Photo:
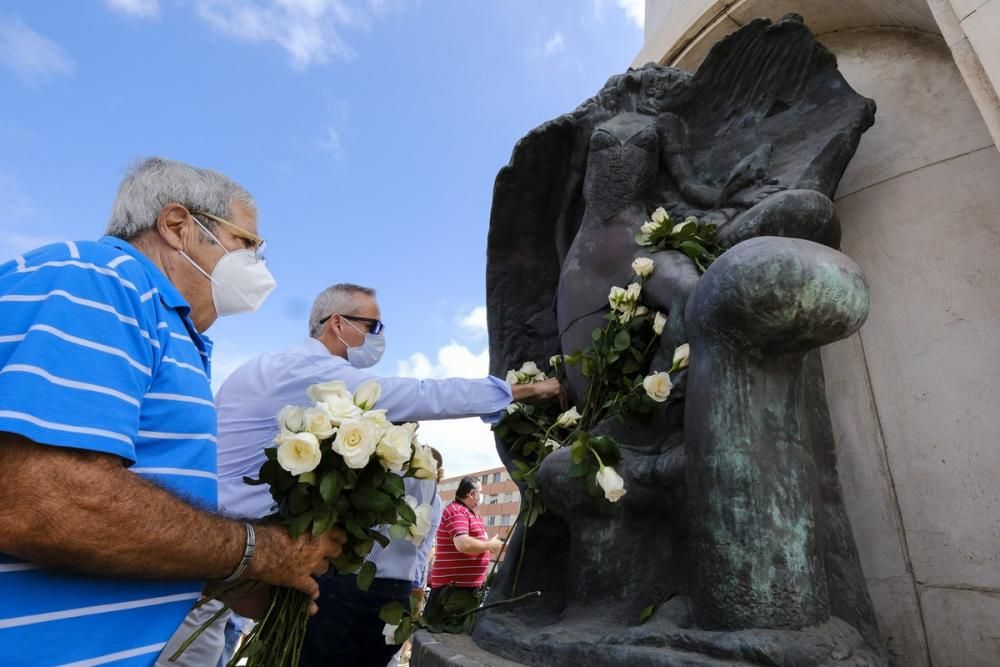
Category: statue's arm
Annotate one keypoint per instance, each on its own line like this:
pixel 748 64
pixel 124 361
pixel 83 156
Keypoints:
pixel 673 155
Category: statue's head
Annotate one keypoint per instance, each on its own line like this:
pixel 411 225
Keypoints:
pixel 622 163
pixel 662 89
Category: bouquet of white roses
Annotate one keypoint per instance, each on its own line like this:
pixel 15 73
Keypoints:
pixel 338 462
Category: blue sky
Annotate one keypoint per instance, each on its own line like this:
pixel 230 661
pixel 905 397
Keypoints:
pixel 370 132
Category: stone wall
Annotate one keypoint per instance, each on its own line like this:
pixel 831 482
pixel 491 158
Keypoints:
pixel 915 396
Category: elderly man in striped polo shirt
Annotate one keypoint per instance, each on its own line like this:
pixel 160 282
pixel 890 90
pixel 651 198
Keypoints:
pixel 107 427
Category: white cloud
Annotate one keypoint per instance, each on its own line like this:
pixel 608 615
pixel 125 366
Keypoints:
pixel 555 44
pixel 13 244
pixel 635 10
pixel 475 322
pixel 31 56
pixel 466 445
pixel 453 360
pixel 552 46
pixel 332 143
pixel 225 360
pixel 308 30
pixel 144 9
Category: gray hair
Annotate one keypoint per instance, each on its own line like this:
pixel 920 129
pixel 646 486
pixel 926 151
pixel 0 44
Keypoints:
pixel 154 182
pixel 339 298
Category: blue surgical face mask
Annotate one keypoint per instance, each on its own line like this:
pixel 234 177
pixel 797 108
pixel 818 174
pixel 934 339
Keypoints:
pixel 368 353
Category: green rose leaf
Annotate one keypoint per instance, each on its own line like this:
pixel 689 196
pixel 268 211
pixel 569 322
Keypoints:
pixel 331 485
pixel 392 612
pixel 366 575
pixel 298 524
pixel 646 613
pixel 622 341
pixel 405 512
pixel 393 485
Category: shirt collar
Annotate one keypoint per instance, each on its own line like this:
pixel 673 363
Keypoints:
pixel 169 295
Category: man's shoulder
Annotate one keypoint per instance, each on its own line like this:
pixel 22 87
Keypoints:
pixel 455 510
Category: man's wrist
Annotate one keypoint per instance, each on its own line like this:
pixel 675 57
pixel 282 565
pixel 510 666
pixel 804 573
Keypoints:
pixel 249 549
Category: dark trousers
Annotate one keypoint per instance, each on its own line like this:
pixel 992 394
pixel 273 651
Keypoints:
pixel 347 632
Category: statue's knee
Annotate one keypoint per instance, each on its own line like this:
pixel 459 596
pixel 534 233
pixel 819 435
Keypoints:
pixel 802 214
pixel 778 293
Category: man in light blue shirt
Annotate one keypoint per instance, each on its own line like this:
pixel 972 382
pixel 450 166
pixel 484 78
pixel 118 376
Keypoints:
pixel 107 427
pixel 345 338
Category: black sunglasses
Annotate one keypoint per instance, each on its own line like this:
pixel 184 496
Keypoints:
pixel 377 326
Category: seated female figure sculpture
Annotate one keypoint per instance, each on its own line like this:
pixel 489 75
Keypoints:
pixel 734 517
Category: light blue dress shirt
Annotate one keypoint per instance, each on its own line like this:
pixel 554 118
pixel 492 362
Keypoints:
pixel 251 397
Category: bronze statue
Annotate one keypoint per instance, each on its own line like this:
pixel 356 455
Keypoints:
pixel 733 523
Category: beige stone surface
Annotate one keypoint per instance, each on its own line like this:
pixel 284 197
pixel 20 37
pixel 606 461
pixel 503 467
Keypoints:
pixel 690 58
pixel 980 87
pixel 824 16
pixel 871 502
pixel 949 24
pixel 864 473
pixel 681 24
pixel 963 8
pixel 975 642
pixel 928 242
pixel 899 620
pixel 925 112
pixel 982 27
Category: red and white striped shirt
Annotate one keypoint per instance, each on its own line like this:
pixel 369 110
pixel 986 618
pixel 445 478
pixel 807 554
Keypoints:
pixel 451 566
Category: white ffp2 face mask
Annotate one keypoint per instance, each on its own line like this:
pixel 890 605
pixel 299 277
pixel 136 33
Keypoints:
pixel 240 281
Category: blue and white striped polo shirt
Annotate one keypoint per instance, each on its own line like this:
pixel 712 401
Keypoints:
pixel 97 352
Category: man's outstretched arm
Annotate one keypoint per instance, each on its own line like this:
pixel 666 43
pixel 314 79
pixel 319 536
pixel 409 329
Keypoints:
pixel 84 511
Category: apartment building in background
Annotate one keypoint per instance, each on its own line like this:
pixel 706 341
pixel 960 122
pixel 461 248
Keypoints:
pixel 498 503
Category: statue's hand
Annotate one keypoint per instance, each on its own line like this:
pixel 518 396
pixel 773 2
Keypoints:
pixel 752 196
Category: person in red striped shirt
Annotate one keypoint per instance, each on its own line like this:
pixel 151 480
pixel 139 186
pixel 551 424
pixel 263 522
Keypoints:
pixel 463 551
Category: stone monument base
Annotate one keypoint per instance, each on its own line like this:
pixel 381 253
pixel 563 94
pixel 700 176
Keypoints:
pixel 667 640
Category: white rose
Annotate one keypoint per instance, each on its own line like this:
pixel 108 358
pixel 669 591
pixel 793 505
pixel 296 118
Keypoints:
pixel 555 360
pixel 568 418
pixel 356 441
pixel 512 377
pixel 632 292
pixel 681 356
pixel 681 226
pixel 378 419
pixel 394 448
pixel 660 215
pixel 292 418
pixel 389 632
pixel 616 296
pixel 340 409
pixel 321 393
pixel 611 482
pixel 643 266
pixel 553 444
pixel 658 323
pixel 528 368
pixel 423 465
pixel 628 311
pixel 317 422
pixel 367 395
pixel 299 453
pixel 657 386
pixel 649 227
pixel 419 530
pixel 641 310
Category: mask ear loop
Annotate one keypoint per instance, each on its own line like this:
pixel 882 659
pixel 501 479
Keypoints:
pixel 195 264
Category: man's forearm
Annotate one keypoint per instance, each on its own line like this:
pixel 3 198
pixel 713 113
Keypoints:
pixel 86 512
pixel 471 546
